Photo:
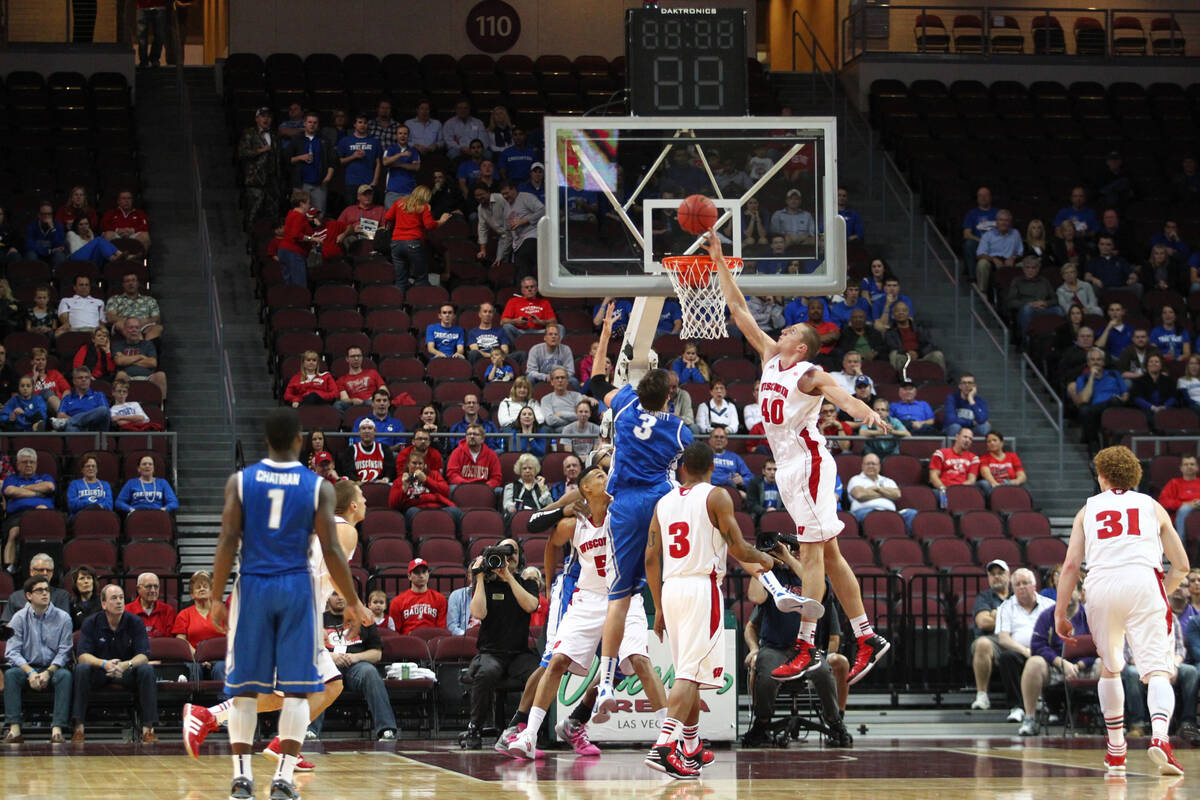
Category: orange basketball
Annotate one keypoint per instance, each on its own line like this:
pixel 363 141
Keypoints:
pixel 697 214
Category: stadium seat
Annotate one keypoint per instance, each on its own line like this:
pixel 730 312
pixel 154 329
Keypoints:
pixel 157 557
pixel 904 470
pixel 979 524
pixel 98 554
pixel 384 553
pixel 473 495
pixel 929 525
pixel 1004 549
pixel 1045 552
pixel 918 497
pixel 376 495
pixel 441 552
pixel 1007 499
pixel 96 523
pixel 1128 36
pixel 963 498
pixel 900 554
pixel 149 525
pixel 881 525
pixel 1027 525
pixel 930 34
pixel 946 553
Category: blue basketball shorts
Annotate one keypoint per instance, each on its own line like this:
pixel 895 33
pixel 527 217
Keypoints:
pixel 274 635
pixel 630 513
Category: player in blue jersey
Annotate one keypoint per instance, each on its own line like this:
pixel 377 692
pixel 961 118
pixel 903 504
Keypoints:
pixel 273 509
pixel 647 444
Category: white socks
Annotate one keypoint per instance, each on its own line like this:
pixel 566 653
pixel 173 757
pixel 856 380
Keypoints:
pixel 861 626
pixel 666 734
pixel 772 583
pixel 808 631
pixel 243 717
pixel 1112 704
pixel 221 711
pixel 608 671
pixel 536 717
pixel 1160 699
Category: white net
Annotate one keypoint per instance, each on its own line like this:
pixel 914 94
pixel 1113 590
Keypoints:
pixel 699 291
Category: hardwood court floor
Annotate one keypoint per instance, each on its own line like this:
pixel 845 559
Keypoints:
pixel 1046 769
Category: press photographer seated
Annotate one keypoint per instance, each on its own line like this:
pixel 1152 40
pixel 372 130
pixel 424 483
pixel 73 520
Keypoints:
pixel 503 603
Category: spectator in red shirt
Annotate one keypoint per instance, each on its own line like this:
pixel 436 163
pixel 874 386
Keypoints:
pixel 125 221
pixel 411 218
pixel 158 617
pixel 955 465
pixel 419 606
pixel 365 208
pixel 539 617
pixel 97 355
pixel 527 312
pixel 828 331
pixel 192 625
pixel 310 386
pixel 421 441
pixel 76 207
pixel 358 385
pixel 297 240
pixel 1181 495
pixel 49 383
pixel 473 461
pixel 417 487
pixel 832 428
pixel 998 468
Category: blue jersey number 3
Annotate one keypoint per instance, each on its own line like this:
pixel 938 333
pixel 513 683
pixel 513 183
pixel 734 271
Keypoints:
pixel 644 430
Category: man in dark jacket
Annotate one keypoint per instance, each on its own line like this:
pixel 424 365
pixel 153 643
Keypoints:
pixel 258 154
pixel 310 159
pixel 862 337
pixel 1031 294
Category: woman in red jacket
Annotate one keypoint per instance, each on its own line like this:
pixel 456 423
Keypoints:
pixel 420 487
pixel 410 217
pixel 296 241
pixel 310 386
pixel 97 356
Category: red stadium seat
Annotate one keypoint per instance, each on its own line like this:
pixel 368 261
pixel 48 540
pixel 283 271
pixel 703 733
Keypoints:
pixel 1045 552
pixel 883 525
pixel 900 553
pixel 1010 498
pixel 904 470
pixel 919 497
pixel 98 554
pixel 483 523
pixel 1004 549
pixel 43 525
pixel 385 553
pixel 433 523
pixel 149 525
pixel 929 525
pixel 963 498
pixel 376 495
pixel 945 553
pixel 442 552
pixel 473 495
pixel 97 523
pixel 981 525
pixel 1028 525
pixel 383 524
pixel 157 557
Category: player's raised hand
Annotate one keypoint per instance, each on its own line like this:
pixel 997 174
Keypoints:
pixel 712 243
pixel 873 420
pixel 1064 628
pixel 609 319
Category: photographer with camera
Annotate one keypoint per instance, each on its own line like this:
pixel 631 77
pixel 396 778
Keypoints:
pixel 770 635
pixel 503 603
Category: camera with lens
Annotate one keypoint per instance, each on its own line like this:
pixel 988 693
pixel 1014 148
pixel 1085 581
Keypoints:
pixel 496 557
pixel 767 540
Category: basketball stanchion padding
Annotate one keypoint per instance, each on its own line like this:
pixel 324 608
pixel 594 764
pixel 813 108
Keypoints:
pixel 699 290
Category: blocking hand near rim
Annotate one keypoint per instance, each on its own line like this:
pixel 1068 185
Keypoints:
pixel 790 396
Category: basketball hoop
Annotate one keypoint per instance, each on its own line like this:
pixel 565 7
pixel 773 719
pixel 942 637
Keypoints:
pixel 699 290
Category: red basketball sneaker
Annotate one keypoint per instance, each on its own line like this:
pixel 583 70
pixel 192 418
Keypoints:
pixel 198 722
pixel 807 659
pixel 871 649
pixel 1115 764
pixel 1160 753
pixel 272 752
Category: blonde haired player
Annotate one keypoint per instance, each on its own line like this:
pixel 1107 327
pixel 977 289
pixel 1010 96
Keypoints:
pixel 349 508
pixel 790 395
pixel 1122 535
pixel 692 530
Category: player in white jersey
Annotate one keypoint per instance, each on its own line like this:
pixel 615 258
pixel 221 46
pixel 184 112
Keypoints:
pixel 790 395
pixel 580 630
pixel 349 509
pixel 692 531
pixel 1122 536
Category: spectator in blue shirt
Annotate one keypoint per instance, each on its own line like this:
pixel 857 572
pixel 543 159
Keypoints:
pixel 146 491
pixel 1094 391
pixel 728 468
pixel 46 238
pixel 999 247
pixel 536 184
pixel 917 415
pixel 690 367
pixel 385 423
pixel 23 491
pixel 622 308
pixel 670 321
pixel 1117 333
pixel 797 310
pixel 402 162
pixel 25 411
pixel 881 307
pixel 762 494
pixel 470 408
pixel 89 491
pixel 855 232
pixel 1177 248
pixel 360 154
pixel 39 655
pixel 83 409
pixel 779 260
pixel 499 371
pixel 487 336
pixel 1108 270
pixel 977 222
pixel 1174 343
pixel 517 159
pixel 966 409
pixel 469 170
pixel 445 339
pixel 1083 218
pixel 839 313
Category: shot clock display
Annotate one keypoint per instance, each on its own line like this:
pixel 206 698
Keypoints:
pixel 686 61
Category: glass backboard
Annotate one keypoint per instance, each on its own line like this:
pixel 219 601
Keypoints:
pixel 613 184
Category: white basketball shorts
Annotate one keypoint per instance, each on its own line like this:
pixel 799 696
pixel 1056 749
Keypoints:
pixel 1124 605
pixel 695 620
pixel 581 628
pixel 809 495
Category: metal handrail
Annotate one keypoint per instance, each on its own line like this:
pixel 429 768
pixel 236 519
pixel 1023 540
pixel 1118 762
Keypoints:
pixel 1158 441
pixel 1056 421
pixel 827 75
pixel 1002 344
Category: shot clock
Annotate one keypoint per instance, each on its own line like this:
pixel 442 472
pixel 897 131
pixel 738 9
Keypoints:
pixel 686 61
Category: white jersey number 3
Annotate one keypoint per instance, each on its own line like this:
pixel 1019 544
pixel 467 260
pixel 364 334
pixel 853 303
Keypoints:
pixel 644 430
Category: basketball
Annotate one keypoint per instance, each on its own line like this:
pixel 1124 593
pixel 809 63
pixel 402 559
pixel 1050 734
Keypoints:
pixel 697 214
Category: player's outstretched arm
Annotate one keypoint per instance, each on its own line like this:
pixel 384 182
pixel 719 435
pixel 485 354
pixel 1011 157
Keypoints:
pixel 720 511
pixel 738 310
pixel 600 363
pixel 817 381
pixel 1068 578
pixel 1172 548
pixel 227 547
pixel 552 556
pixel 325 529
pixel 654 573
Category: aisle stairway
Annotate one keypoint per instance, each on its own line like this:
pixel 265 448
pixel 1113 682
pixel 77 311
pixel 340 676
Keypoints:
pixel 1057 492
